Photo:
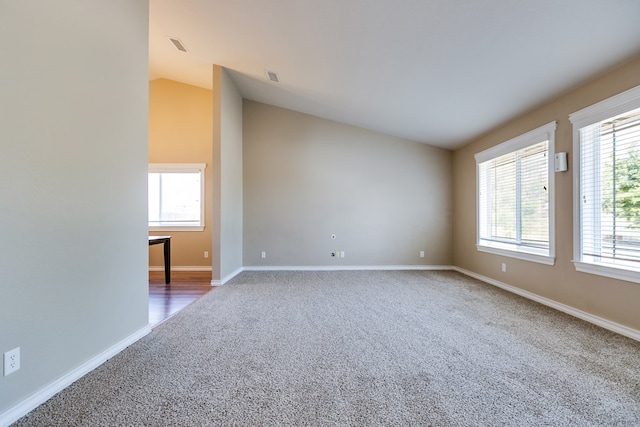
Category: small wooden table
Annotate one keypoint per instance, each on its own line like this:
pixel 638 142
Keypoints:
pixel 166 241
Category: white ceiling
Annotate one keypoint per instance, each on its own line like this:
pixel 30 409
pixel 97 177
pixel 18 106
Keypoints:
pixel 439 72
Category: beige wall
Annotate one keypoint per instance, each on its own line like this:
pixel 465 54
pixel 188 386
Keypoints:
pixel 306 178
pixel 73 252
pixel 181 131
pixel 608 298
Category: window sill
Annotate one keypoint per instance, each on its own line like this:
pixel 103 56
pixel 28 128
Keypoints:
pixel 620 273
pixel 177 228
pixel 527 256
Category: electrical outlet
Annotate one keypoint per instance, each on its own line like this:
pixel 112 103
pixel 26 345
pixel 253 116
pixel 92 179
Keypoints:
pixel 421 254
pixel 206 254
pixel 263 254
pixel 11 361
pixel 341 254
pixel 504 267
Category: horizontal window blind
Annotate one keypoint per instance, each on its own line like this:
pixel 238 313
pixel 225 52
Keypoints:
pixel 534 206
pixel 610 190
pixel 514 198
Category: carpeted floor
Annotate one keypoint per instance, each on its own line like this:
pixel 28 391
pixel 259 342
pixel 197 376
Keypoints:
pixel 361 348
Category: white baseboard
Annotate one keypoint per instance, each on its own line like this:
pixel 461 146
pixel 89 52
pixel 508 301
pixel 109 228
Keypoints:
pixel 181 268
pixel 572 311
pixel 327 268
pixel 227 278
pixel 44 394
pixel 344 267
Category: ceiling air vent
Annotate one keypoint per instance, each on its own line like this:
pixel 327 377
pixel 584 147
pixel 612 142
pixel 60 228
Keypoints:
pixel 272 76
pixel 178 44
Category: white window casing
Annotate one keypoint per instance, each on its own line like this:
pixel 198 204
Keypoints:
pixel 176 196
pixel 606 144
pixel 515 197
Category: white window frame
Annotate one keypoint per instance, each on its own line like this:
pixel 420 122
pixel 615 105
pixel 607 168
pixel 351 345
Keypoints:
pixel 610 107
pixel 182 167
pixel 535 136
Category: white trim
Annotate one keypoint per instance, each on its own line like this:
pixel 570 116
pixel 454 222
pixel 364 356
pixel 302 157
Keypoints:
pixel 328 268
pixel 572 311
pixel 184 168
pixel 552 193
pixel 522 141
pixel 609 107
pixel 345 267
pixel 182 268
pixel 629 274
pixel 36 399
pixel 612 106
pixel 545 132
pixel 177 167
pixel 526 256
pixel 577 209
pixel 161 228
pixel 227 278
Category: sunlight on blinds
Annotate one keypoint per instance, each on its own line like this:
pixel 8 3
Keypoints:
pixel 610 190
pixel 514 197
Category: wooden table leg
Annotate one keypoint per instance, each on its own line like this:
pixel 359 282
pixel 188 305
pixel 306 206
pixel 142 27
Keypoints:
pixel 167 260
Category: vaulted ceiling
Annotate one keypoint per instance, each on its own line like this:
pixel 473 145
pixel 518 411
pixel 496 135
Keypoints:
pixel 439 72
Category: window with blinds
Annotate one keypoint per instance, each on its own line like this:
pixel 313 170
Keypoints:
pixel 606 145
pixel 515 197
pixel 609 191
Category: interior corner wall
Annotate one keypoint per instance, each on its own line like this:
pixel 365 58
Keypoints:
pixel 610 299
pixel 306 179
pixel 181 131
pixel 74 250
pixel 227 187
pixel 231 179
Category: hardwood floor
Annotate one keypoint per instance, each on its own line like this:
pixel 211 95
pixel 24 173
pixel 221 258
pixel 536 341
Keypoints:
pixel 167 300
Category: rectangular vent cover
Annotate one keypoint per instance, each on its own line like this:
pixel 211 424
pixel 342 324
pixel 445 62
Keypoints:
pixel 178 44
pixel 273 76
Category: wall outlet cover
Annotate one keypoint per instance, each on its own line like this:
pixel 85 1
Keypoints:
pixel 11 361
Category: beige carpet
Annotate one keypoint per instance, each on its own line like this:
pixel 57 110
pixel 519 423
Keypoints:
pixel 361 348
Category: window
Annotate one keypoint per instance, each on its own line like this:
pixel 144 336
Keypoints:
pixel 176 197
pixel 515 197
pixel 607 187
